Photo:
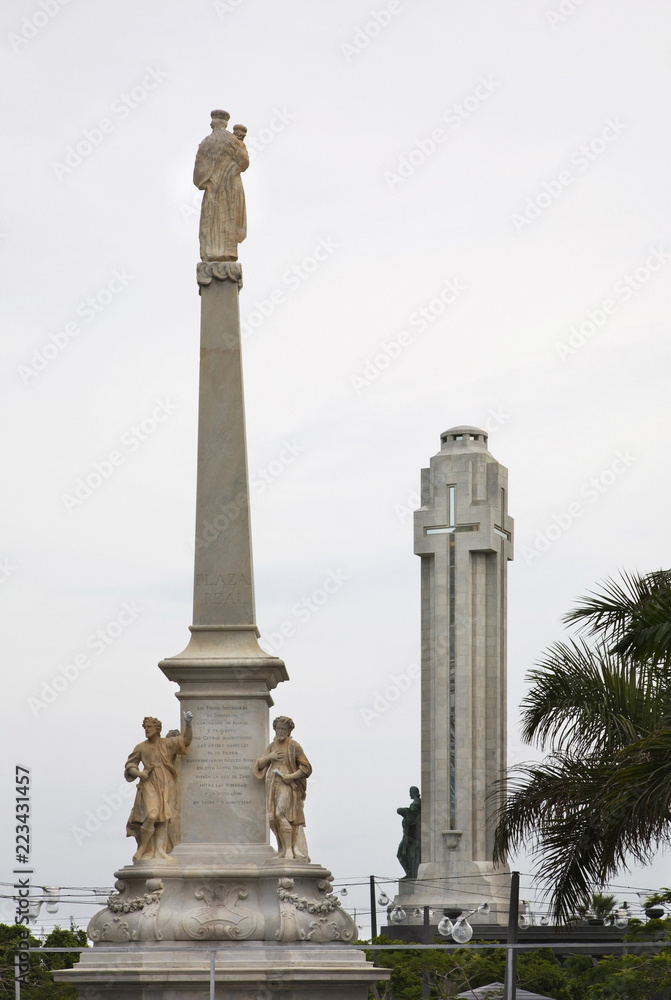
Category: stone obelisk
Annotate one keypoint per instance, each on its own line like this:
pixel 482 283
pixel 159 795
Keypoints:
pixel 464 538
pixel 273 921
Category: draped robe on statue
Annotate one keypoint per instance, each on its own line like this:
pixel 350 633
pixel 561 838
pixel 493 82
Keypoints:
pixel 285 799
pixel 158 794
pixel 220 159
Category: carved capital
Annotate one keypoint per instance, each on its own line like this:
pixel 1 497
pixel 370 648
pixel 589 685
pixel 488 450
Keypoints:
pixel 452 838
pixel 222 270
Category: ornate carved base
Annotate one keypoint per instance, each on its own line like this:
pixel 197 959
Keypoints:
pixel 277 930
pixel 276 901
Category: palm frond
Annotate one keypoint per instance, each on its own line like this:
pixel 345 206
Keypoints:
pixel 632 616
pixel 584 697
pixel 552 810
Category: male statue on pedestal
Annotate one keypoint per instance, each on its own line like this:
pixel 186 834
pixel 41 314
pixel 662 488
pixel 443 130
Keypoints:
pixel 285 789
pixel 155 803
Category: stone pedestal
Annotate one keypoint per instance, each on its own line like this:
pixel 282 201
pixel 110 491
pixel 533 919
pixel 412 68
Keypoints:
pixel 242 971
pixel 468 884
pixel 278 929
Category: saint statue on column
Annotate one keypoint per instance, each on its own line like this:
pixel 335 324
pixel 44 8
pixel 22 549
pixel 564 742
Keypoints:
pixel 220 160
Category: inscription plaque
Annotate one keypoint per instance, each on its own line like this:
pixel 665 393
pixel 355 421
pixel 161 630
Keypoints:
pixel 221 800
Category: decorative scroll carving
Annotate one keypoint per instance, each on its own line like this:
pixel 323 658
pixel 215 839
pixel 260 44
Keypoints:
pixel 221 918
pixel 149 902
pixel 221 270
pixel 318 920
pixel 141 913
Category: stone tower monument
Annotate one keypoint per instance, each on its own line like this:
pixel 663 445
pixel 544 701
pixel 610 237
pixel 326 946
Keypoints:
pixel 464 538
pixel 207 902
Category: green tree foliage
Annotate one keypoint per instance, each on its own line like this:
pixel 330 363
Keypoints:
pixel 40 984
pixel 579 977
pixel 601 706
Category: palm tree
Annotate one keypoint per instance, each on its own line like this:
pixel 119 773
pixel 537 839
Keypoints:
pixel 600 906
pixel 603 710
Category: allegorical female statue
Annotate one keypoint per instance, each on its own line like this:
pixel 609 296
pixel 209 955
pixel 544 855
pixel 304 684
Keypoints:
pixel 155 803
pixel 286 770
pixel 220 160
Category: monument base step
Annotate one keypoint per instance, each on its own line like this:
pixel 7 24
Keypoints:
pixel 242 971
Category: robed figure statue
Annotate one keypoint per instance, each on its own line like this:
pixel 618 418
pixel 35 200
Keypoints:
pixel 286 770
pixel 156 800
pixel 220 160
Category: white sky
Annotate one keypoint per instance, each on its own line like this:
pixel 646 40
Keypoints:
pixel 331 124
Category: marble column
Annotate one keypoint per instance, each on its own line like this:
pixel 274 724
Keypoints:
pixel 277 929
pixel 224 676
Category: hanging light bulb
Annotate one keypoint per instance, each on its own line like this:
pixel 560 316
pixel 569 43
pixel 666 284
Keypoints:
pixel 34 907
pixel 462 931
pixel 343 891
pixel 484 908
pixel 383 899
pixel 524 920
pixel 417 913
pixel 445 927
pixel 544 920
pixel 52 897
pixel 398 915
pixel 621 918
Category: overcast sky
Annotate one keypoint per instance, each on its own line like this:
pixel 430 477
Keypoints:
pixel 515 154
